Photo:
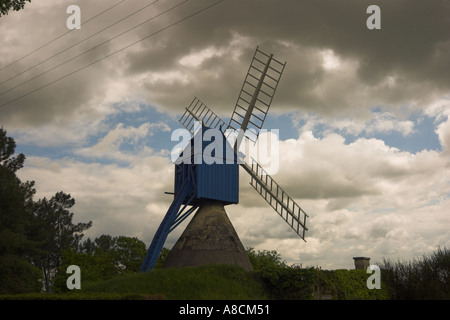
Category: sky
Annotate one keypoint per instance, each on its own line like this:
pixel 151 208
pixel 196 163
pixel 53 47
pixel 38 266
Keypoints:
pixel 362 115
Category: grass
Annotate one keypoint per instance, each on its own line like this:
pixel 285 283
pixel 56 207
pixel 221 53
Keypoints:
pixel 218 282
pixel 222 282
pixel 426 278
pixel 214 282
pixel 76 295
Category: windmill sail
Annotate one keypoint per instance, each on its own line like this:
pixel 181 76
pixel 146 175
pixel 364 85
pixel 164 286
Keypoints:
pixel 256 96
pixel 271 191
pixel 198 111
pixel 283 204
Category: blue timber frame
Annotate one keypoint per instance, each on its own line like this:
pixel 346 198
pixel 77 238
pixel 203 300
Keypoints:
pixel 172 219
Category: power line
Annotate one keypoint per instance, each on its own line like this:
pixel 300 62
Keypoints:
pixel 91 49
pixel 113 53
pixel 92 35
pixel 60 36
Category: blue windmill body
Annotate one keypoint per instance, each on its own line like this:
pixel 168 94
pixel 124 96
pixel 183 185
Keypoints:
pixel 214 167
pixel 207 171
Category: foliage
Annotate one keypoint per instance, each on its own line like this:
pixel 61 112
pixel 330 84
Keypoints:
pixel 283 282
pixel 54 232
pixel 7 149
pixel 76 295
pixel 130 253
pixel 265 259
pixel 276 282
pixel 18 276
pixel 14 215
pixel 102 259
pixel 33 234
pixel 288 283
pixel 105 242
pixel 162 258
pixel 16 273
pixel 293 283
pixel 213 282
pixel 420 279
pixel 350 285
pixel 94 267
pixel 16 5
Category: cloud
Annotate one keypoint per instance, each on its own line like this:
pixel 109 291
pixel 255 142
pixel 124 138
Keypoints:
pixel 336 66
pixel 386 123
pixel 440 110
pixel 361 197
pixel 110 146
pixel 372 124
pixel 443 131
pixel 119 200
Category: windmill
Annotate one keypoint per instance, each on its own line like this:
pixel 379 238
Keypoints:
pixel 207 188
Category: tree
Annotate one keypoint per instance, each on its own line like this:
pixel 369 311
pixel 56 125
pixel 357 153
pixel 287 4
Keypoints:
pixel 7 149
pixel 105 242
pixel 16 5
pixel 87 247
pixel 421 279
pixel 162 258
pixel 94 266
pixel 130 252
pixel 265 259
pixel 17 275
pixel 127 252
pixel 104 258
pixel 55 232
pixel 32 234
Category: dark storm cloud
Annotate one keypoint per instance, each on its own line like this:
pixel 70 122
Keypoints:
pixel 412 49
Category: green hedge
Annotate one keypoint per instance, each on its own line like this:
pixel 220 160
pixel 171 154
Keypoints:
pixel 226 282
pixel 288 283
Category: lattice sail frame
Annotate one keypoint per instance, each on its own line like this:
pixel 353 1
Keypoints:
pixel 250 123
pixel 199 112
pixel 278 199
pixel 256 95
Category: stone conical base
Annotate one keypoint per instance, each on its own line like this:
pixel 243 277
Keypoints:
pixel 209 238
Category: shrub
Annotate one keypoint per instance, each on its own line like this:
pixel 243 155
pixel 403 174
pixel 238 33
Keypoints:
pixel 420 279
pixel 18 276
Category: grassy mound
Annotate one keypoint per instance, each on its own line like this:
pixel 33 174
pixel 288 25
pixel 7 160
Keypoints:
pixel 218 282
pixel 222 282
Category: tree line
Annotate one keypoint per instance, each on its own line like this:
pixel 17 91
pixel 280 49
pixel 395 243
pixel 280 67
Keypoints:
pixel 38 238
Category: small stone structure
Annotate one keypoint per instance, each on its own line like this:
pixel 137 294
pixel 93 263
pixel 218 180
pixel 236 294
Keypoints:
pixel 361 263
